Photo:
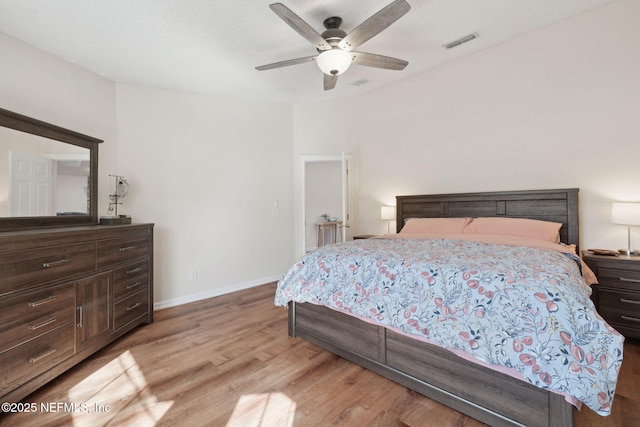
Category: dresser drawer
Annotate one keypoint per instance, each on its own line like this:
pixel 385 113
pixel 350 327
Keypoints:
pixel 619 278
pixel 620 307
pixel 123 249
pixel 27 361
pixel 130 279
pixel 25 269
pixel 25 317
pixel 126 310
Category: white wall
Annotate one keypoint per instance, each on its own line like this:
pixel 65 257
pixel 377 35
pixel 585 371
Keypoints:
pixel 555 108
pixel 208 171
pixel 48 88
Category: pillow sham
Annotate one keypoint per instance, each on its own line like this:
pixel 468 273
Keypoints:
pixel 521 227
pixel 435 225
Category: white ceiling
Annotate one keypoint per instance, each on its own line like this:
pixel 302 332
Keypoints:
pixel 213 46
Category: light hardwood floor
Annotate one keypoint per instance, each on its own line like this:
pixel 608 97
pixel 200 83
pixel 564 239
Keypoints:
pixel 228 361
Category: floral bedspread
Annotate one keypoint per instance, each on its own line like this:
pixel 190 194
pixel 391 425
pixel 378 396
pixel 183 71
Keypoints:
pixel 522 308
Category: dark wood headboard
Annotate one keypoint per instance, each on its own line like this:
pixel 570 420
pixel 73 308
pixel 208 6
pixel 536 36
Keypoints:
pixel 547 205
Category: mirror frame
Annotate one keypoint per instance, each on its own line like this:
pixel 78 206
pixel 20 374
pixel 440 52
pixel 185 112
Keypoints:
pixel 18 122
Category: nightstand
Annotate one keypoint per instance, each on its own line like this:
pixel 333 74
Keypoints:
pixel 617 295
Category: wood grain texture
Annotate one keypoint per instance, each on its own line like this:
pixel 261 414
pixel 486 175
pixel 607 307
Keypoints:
pixel 57 299
pixel 558 205
pixel 491 397
pixel 33 126
pixel 617 293
pixel 228 361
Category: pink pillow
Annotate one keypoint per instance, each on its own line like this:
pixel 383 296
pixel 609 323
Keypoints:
pixel 521 227
pixel 435 225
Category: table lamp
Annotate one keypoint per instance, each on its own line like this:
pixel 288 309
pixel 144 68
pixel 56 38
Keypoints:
pixel 388 213
pixel 627 214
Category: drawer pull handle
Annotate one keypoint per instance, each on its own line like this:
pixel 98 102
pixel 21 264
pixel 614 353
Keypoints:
pixel 126 248
pixel 625 279
pixel 632 319
pixel 54 263
pixel 133 285
pixel 135 270
pixel 42 301
pixel 43 323
pixel 39 357
pixel 134 306
pixel 629 301
pixel 80 317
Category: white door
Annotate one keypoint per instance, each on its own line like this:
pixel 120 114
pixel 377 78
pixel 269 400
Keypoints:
pixel 325 189
pixel 30 192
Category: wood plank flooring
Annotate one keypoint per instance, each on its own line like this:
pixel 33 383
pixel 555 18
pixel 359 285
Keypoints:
pixel 228 361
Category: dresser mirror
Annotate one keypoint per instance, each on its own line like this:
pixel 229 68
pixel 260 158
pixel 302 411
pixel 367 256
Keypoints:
pixel 48 174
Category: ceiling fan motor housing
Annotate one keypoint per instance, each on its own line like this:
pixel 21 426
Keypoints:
pixel 333 34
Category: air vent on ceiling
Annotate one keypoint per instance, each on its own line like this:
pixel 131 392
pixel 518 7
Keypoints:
pixel 461 40
pixel 360 82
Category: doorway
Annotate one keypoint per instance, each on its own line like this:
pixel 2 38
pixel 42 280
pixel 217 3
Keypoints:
pixel 325 188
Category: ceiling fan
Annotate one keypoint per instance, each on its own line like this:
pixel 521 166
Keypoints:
pixel 335 47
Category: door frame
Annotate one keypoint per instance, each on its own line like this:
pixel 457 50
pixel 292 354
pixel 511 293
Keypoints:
pixel 346 160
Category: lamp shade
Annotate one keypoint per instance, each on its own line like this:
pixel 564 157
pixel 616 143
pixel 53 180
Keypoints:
pixel 334 62
pixel 388 213
pixel 625 213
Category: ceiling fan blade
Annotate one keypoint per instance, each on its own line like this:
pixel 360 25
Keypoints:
pixel 330 81
pixel 378 61
pixel 374 24
pixel 286 63
pixel 301 27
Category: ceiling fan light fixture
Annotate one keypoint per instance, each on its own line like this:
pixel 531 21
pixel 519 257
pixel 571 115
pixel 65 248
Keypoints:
pixel 334 62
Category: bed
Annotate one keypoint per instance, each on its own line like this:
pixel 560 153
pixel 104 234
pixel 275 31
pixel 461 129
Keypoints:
pixel 500 395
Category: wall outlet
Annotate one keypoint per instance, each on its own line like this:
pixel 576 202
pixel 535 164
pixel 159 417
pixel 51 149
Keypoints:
pixel 193 275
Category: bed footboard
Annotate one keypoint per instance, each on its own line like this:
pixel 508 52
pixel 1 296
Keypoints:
pixel 486 395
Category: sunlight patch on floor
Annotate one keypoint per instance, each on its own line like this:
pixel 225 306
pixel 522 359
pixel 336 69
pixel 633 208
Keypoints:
pixel 116 392
pixel 262 410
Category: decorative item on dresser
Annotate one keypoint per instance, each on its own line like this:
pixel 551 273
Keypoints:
pixel 120 190
pixel 65 293
pixel 617 293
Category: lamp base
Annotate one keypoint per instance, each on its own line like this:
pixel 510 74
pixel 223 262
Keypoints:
pixel 115 220
pixel 631 252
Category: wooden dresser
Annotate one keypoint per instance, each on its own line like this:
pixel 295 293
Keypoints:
pixel 617 294
pixel 64 294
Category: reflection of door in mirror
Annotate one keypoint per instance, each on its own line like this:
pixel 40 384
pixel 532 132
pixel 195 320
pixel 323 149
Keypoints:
pixel 31 185
pixel 41 176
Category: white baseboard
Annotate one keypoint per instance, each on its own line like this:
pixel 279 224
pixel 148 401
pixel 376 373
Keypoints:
pixel 214 293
